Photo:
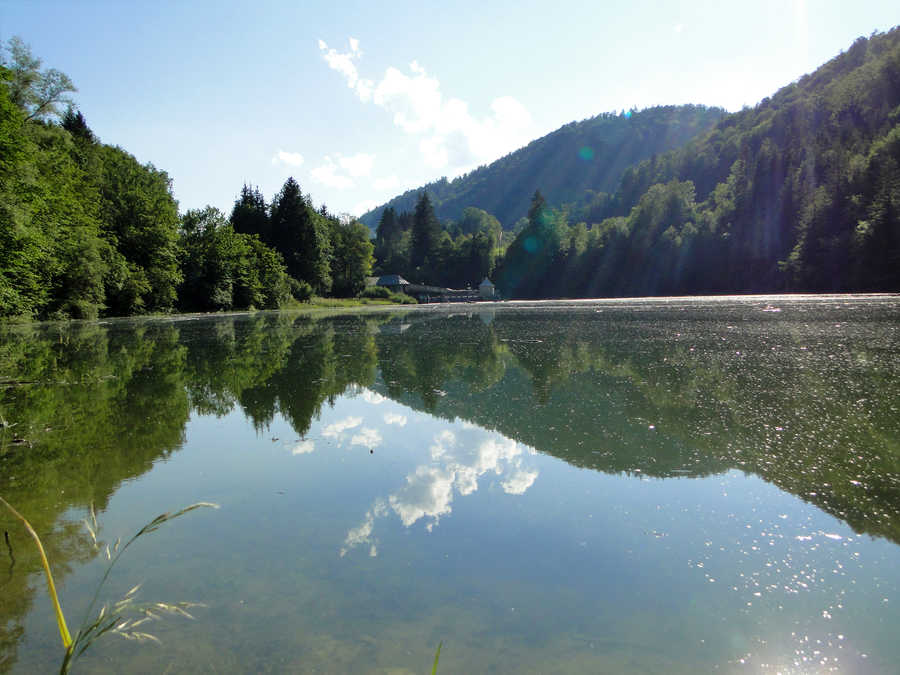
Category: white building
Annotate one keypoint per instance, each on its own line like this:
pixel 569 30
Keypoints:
pixel 486 289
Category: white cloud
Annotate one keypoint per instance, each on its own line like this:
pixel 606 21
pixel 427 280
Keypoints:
pixel 370 438
pixel 284 158
pixel 364 206
pixel 434 151
pixel 358 165
pixel 415 101
pixel 303 448
pixel 338 171
pixel 327 174
pixel 394 418
pixel 337 428
pixel 372 397
pixel 344 64
pixel 679 27
pixel 450 134
pixel 386 183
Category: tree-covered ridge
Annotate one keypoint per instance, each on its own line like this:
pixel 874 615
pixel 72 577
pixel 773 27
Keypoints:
pixel 707 390
pixel 590 155
pixel 801 192
pixel 87 230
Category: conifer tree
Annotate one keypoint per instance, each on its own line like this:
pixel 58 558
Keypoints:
pixel 426 232
pixel 301 236
pixel 249 215
pixel 73 122
pixel 385 236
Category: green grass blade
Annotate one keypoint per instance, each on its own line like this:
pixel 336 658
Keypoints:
pixel 60 618
pixel 437 655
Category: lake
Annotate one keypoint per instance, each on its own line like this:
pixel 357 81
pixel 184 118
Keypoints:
pixel 669 485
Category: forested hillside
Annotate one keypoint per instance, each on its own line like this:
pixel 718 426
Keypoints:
pixel 587 155
pixel 801 192
pixel 87 230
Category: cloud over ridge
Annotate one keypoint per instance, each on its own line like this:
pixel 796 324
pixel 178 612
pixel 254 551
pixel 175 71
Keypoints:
pixel 450 135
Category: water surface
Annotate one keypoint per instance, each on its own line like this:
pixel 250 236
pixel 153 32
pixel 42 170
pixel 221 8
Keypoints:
pixel 675 485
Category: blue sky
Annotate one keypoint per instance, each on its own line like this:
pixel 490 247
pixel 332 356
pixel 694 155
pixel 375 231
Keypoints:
pixel 360 101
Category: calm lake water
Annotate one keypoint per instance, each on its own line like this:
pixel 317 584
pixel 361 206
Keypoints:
pixel 674 485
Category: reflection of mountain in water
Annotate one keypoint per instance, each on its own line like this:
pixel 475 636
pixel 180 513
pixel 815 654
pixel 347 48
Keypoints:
pixel 804 402
pixel 806 398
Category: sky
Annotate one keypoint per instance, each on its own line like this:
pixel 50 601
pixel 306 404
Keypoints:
pixel 360 101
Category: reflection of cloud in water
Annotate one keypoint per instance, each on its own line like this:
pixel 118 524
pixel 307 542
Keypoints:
pixel 370 438
pixel 363 533
pixel 442 442
pixel 520 481
pixel 337 428
pixel 303 448
pixel 372 397
pixel 457 466
pixel 394 418
pixel 428 492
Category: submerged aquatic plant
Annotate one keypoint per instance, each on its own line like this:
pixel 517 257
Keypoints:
pixel 122 617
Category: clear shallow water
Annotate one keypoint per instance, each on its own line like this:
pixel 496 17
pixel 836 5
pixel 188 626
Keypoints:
pixel 628 486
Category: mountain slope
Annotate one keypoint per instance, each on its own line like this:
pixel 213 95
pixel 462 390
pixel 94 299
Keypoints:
pixel 587 155
pixel 799 193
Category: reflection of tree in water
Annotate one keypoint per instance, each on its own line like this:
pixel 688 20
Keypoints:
pixel 231 356
pixel 808 405
pixel 421 358
pixel 273 363
pixel 89 406
pixel 325 357
pixel 94 407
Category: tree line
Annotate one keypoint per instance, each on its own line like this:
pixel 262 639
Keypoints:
pixel 418 246
pixel 799 193
pixel 87 230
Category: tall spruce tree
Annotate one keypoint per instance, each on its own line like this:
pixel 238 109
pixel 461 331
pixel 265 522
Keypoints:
pixel 249 215
pixel 301 236
pixel 386 236
pixel 73 122
pixel 426 232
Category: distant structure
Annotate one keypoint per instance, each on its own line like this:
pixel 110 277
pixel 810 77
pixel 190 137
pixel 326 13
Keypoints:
pixel 397 284
pixel 486 289
pixel 393 282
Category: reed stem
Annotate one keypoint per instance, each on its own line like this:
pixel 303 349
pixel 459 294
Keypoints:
pixel 60 617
